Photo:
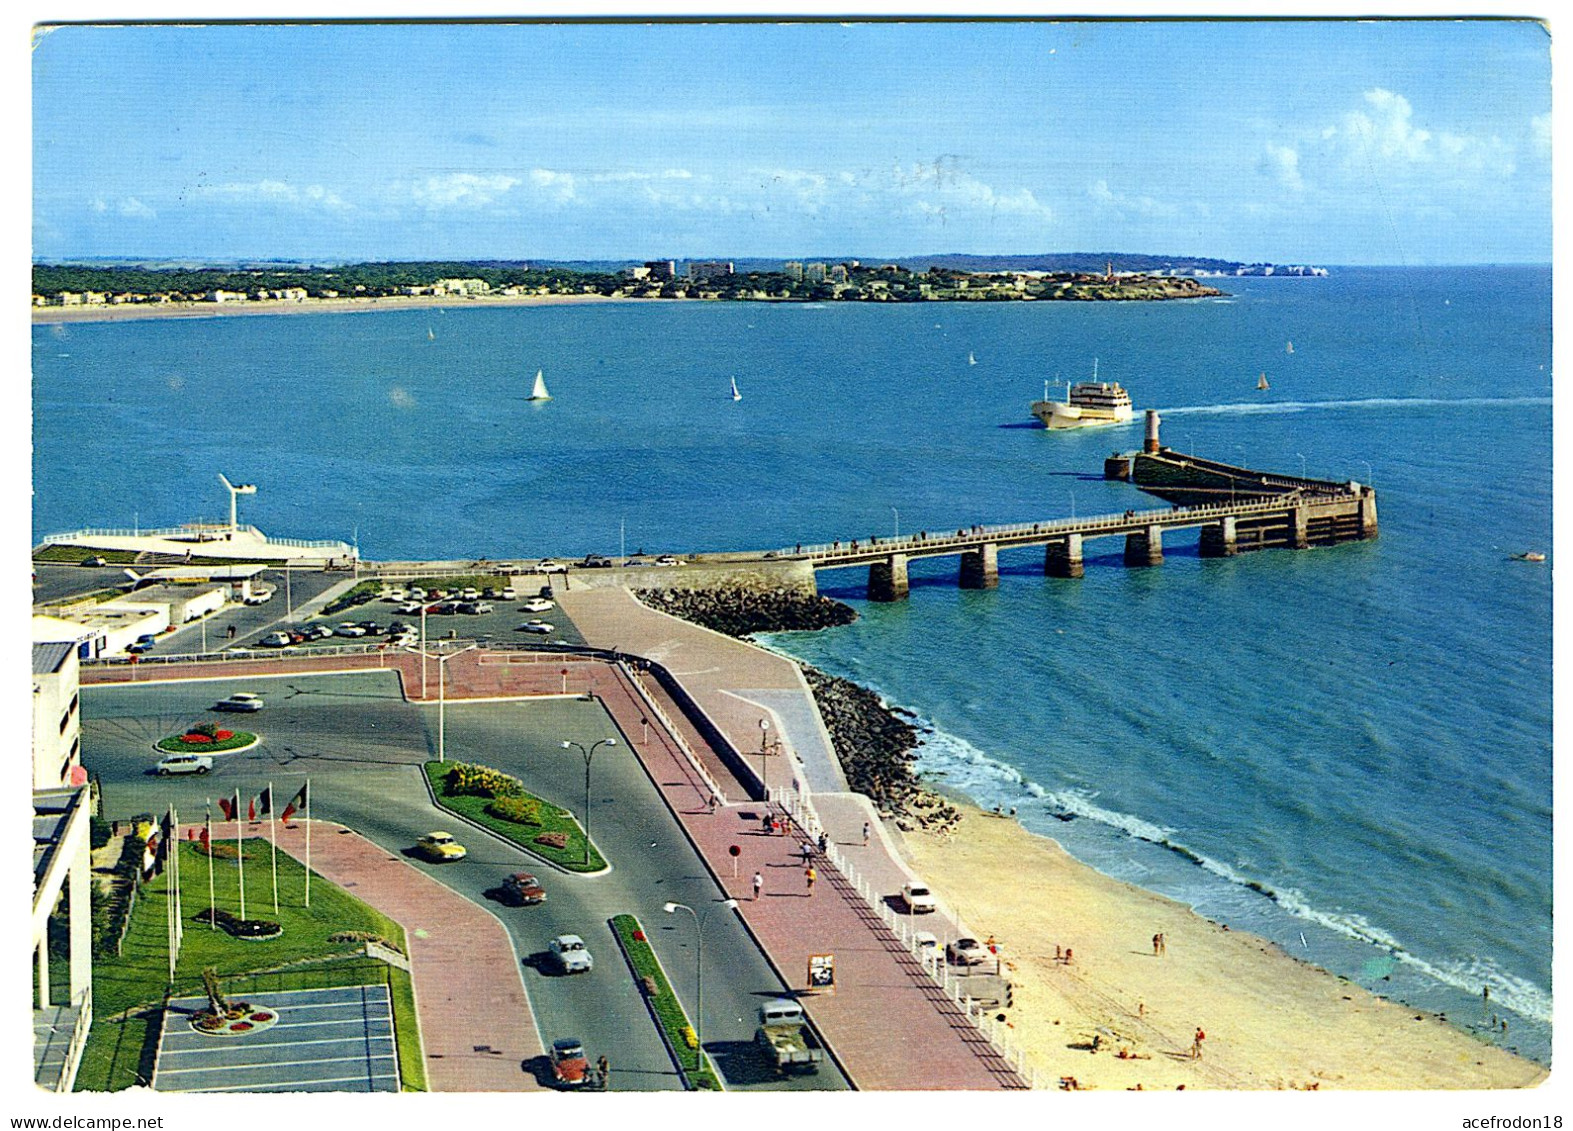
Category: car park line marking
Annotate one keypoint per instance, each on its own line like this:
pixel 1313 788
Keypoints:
pixel 296 1085
pixel 252 1043
pixel 229 1066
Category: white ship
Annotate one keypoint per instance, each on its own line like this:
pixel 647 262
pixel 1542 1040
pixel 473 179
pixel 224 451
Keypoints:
pixel 1086 404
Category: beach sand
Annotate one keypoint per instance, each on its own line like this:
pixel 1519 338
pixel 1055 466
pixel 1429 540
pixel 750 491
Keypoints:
pixel 1271 1021
pixel 46 314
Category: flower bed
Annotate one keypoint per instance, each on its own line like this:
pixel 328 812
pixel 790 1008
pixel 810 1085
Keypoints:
pixel 197 741
pixel 242 1019
pixel 240 928
pixel 680 1035
pixel 555 836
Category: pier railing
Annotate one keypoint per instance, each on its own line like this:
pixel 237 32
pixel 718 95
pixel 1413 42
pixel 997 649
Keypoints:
pixel 192 534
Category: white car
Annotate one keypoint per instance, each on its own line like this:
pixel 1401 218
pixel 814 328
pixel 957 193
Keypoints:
pixel 967 952
pixel 918 899
pixel 549 566
pixel 470 593
pixel 508 595
pixel 184 764
pixel 275 640
pixel 348 629
pixel 926 943
pixel 409 607
pixel 569 952
pixel 539 605
pixel 669 560
pixel 240 701
pixel 417 594
pixel 260 597
pixel 539 627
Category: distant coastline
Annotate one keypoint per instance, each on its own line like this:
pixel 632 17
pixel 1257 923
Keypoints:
pixel 129 312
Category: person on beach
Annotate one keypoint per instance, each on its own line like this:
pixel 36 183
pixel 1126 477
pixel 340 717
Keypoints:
pixel 1196 1044
pixel 811 875
pixel 1163 944
pixel 1156 939
pixel 759 884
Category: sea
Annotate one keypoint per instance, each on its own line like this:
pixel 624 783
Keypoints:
pixel 1346 750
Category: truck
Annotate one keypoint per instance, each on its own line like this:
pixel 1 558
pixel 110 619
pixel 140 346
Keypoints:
pixel 782 1040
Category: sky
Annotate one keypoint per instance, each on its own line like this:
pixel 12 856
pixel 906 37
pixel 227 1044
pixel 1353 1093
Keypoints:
pixel 1324 142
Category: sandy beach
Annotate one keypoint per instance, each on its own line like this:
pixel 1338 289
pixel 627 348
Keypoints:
pixel 1271 1021
pixel 127 311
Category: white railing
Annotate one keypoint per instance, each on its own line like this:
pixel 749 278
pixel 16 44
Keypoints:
pixel 677 737
pixel 189 533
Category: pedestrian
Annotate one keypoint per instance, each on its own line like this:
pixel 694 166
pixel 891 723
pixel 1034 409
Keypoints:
pixel 1196 1044
pixel 867 830
pixel 1141 1008
pixel 807 853
pixel 811 875
pixel 715 803
pixel 1155 944
pixel 603 1069
pixel 1163 944
pixel 759 884
pixel 824 842
pixel 1069 955
pixel 231 632
pixel 768 823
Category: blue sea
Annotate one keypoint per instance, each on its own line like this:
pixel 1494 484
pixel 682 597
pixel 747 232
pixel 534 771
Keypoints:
pixel 1347 749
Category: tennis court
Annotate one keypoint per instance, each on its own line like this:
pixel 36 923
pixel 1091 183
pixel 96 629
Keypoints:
pixel 332 1040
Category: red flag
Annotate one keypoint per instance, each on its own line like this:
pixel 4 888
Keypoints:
pixel 297 803
pixel 263 805
pixel 251 810
pixel 230 806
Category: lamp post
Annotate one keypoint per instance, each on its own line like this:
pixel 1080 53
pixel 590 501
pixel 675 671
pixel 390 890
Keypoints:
pixel 442 703
pixel 588 754
pixel 1370 476
pixel 897 515
pixel 699 968
pixel 1302 465
pixel 764 752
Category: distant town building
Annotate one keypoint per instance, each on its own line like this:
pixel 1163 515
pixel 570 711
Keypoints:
pixel 461 287
pixel 662 269
pixel 793 269
pixel 224 296
pixel 703 269
pixel 813 272
pixel 636 272
pixel 838 273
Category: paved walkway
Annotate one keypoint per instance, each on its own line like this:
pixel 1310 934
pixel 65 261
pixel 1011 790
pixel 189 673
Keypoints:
pixel 476 1031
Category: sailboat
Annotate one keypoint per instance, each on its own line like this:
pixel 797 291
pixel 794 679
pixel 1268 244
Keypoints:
pixel 539 393
pixel 736 396
pixel 1288 347
pixel 970 359
pixel 1261 382
pixel 431 335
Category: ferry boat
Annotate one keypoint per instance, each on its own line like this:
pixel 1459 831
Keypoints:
pixel 1086 404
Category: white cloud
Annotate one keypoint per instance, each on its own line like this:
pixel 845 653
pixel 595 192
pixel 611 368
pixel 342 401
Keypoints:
pixel 280 192
pixel 1283 161
pixel 461 190
pixel 131 206
pixel 1386 136
pixel 1101 194
pixel 1540 130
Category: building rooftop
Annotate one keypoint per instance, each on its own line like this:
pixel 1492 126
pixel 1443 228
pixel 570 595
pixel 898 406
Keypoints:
pixel 52 808
pixel 48 657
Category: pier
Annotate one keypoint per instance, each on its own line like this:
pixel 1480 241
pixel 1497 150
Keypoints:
pixel 1296 520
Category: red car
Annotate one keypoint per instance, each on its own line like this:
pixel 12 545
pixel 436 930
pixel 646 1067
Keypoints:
pixel 569 1066
pixel 522 889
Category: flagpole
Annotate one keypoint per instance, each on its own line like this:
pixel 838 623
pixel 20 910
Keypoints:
pixel 169 897
pixel 174 855
pixel 207 847
pixel 273 839
pixel 308 842
pixel 240 853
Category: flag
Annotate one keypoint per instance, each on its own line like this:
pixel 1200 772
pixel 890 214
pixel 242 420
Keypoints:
pixel 251 810
pixel 297 803
pixel 203 835
pixel 230 806
pixel 263 805
pixel 152 855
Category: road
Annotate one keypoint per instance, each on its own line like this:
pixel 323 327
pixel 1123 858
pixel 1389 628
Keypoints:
pixel 362 746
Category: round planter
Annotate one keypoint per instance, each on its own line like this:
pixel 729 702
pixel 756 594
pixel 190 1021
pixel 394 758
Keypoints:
pixel 251 1021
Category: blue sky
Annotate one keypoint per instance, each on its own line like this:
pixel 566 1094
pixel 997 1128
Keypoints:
pixel 1325 142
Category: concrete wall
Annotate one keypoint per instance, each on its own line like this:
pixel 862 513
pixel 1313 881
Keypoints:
pixel 56 747
pixel 797 576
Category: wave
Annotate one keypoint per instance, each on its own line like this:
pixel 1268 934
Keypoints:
pixel 1273 408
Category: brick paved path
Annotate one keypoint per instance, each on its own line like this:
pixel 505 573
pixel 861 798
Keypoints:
pixel 476 1031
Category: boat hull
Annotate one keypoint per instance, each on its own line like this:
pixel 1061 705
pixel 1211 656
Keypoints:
pixel 1058 415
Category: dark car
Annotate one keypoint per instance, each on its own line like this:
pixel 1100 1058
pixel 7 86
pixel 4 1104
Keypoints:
pixel 522 889
pixel 372 627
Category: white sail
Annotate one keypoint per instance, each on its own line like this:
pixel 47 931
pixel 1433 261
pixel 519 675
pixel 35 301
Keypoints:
pixel 539 393
pixel 431 335
pixel 736 396
pixel 971 360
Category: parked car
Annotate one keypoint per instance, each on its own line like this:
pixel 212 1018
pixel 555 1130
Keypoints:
pixel 470 593
pixel 318 632
pixel 595 561
pixel 549 566
pixel 240 701
pixel 539 605
pixel 95 560
pixel 184 764
pixel 570 1066
pixel 259 597
pixel 440 848
pixel 137 647
pixel 372 627
pixel 348 629
pixel 409 607
pixel 508 595
pixel 276 640
pixel 539 627
pixel 925 943
pixel 966 952
pixel 522 889
pixel 481 607
pixel 918 899
pixel 669 560
pixel 570 955
pixel 468 608
pixel 417 594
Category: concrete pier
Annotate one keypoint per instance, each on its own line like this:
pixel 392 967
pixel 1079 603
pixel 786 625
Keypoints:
pixel 1300 518
pixel 887 580
pixel 980 567
pixel 1063 558
pixel 1367 513
pixel 1219 539
pixel 1144 547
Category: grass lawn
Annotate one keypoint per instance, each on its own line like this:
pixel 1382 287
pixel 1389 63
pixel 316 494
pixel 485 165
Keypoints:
pixel 553 819
pixel 119 1051
pixel 679 1033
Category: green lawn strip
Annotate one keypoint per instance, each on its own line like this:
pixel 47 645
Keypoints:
pixel 82 553
pixel 407 1031
pixel 553 819
pixel 176 744
pixel 303 957
pixel 680 1035
pixel 351 598
pixel 452 585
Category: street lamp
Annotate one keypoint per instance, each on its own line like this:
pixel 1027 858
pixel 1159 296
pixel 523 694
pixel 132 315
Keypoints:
pixel 764 752
pixel 699 968
pixel 897 515
pixel 442 704
pixel 1302 465
pixel 588 754
pixel 1370 476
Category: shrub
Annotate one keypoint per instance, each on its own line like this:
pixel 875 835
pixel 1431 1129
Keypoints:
pixel 481 781
pixel 519 810
pixel 238 927
pixel 208 729
pixel 553 840
pixel 690 1038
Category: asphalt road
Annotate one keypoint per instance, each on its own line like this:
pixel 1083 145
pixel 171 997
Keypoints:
pixel 363 746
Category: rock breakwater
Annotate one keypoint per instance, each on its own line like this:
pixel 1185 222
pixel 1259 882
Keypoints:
pixel 739 612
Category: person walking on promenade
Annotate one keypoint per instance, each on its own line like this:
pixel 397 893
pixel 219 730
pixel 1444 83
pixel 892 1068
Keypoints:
pixel 715 803
pixel 824 842
pixel 759 884
pixel 806 851
pixel 603 1069
pixel 867 829
pixel 811 875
